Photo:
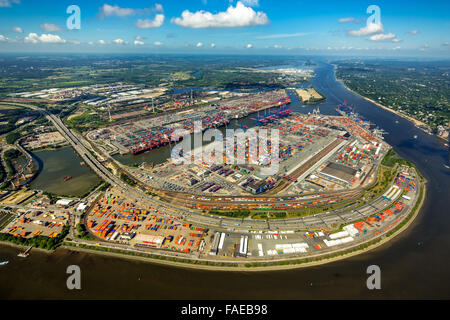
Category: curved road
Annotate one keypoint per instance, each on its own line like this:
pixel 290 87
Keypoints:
pixel 321 220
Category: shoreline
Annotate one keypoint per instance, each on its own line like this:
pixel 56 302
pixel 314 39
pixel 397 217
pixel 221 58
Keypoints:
pixel 383 240
pixel 22 247
pixel 291 263
pixel 49 148
pixel 416 122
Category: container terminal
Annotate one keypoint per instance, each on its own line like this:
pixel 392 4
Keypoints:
pixel 320 200
pixel 317 154
pixel 147 134
pixel 116 219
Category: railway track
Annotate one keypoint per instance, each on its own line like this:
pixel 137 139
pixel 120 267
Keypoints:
pixel 185 200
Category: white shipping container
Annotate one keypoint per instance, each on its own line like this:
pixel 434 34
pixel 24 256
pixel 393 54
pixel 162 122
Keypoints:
pixel 222 239
pixel 300 245
pixel 351 230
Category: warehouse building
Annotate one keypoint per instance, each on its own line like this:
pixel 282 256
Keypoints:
pixel 338 172
pixel 149 240
pixel 64 202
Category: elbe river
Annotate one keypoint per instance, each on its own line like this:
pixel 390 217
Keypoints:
pixel 413 265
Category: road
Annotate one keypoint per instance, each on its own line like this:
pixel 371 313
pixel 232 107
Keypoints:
pixel 321 220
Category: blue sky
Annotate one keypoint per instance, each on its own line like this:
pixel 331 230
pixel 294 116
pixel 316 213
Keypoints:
pixel 408 28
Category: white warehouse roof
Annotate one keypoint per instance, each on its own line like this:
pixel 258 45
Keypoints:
pixel 64 202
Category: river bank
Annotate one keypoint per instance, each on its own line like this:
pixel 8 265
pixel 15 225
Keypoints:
pixel 55 165
pixel 289 263
pixel 22 247
pixel 416 122
pixel 414 265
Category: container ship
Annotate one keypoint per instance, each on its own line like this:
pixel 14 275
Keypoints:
pixel 213 121
pixel 160 137
pixel 271 116
pixel 145 140
pixel 344 109
pixel 348 110
pixel 151 140
pixel 269 104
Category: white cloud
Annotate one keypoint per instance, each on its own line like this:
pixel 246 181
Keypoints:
pixel 446 44
pixel 382 37
pixel 51 38
pixel 110 11
pixel 139 38
pixel 74 42
pixel 396 40
pixel 50 27
pixel 157 43
pixel 414 31
pixel 251 3
pixel 31 38
pixel 18 29
pixel 275 46
pixel 138 43
pixel 43 38
pixel 149 23
pixel 283 35
pixel 119 41
pixel 3 38
pixel 349 19
pixel 424 47
pixel 213 45
pixel 8 3
pixel 239 16
pixel 199 45
pixel 249 46
pixel 371 28
pixel 102 42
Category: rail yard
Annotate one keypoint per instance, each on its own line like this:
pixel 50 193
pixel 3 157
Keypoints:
pixel 118 219
pixel 317 153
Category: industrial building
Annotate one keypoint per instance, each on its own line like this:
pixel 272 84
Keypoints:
pixel 151 240
pixel 339 172
pixel 64 202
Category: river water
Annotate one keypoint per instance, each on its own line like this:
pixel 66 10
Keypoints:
pixel 55 165
pixel 414 265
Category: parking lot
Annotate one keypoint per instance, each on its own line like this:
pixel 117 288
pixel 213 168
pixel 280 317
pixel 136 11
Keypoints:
pixel 32 223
